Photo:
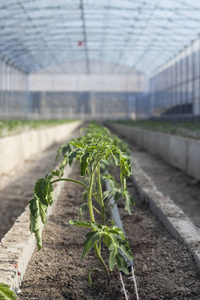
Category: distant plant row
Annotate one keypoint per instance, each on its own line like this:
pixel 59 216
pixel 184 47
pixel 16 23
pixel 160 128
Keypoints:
pixel 8 127
pixel 182 128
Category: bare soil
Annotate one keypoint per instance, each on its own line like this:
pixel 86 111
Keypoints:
pixel 163 267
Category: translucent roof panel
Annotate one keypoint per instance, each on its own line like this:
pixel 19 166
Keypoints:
pixel 71 36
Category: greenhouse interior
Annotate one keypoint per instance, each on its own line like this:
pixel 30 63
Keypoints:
pixel 100 149
pixel 99 59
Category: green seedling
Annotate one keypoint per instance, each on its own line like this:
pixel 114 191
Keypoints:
pixel 6 293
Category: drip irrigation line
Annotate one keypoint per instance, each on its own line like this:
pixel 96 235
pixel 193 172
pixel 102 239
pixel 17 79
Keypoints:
pixel 115 216
pixel 135 283
pixel 123 286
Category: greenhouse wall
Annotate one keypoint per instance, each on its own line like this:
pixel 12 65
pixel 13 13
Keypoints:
pixel 84 105
pixel 13 92
pixel 175 87
pixel 85 96
pixel 58 96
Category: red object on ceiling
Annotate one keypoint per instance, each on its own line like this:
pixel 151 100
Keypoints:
pixel 80 43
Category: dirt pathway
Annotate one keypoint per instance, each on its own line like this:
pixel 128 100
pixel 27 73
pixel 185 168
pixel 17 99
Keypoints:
pixel 181 188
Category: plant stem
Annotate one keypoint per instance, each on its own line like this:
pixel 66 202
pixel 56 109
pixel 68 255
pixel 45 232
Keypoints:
pixel 101 194
pixel 71 180
pixel 96 249
pixel 98 255
pixel 90 198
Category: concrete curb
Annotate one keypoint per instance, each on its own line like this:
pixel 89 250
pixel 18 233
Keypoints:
pixel 167 212
pixel 18 245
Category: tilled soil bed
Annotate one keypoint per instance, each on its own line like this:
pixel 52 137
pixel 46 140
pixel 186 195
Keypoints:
pixel 163 267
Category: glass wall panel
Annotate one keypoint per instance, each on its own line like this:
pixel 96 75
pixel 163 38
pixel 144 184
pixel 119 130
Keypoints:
pixel 179 84
pixel 12 92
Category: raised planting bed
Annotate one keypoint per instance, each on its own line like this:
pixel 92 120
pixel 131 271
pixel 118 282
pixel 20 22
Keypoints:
pixel 16 186
pixel 180 128
pixel 16 191
pixel 105 246
pixel 163 267
pixel 12 127
pixel 17 148
pixel 180 152
pixel 18 244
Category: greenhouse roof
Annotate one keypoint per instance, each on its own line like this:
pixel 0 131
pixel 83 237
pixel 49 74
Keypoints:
pixel 95 36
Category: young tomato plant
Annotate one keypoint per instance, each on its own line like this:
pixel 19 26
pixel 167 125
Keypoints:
pixel 6 293
pixel 90 150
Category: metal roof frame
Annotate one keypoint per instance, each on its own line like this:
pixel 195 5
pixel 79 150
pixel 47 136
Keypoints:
pixel 139 35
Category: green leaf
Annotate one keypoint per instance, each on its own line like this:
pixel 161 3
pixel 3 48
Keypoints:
pixel 91 239
pixel 89 224
pixel 42 198
pixel 124 247
pixel 63 164
pixel 78 144
pixel 58 153
pixel 107 240
pixel 84 163
pixel 114 229
pixel 38 214
pixel 40 190
pixel 6 293
pixel 90 277
pixel 104 164
pixel 106 194
pixel 38 236
pixel 129 201
pixel 66 148
pixel 116 232
pixel 56 173
pixel 116 156
pixel 82 210
pixel 85 195
pixel 111 180
pixel 44 190
pixel 112 260
pixel 125 170
pixel 81 223
pixel 121 263
pixel 71 157
pixel 117 193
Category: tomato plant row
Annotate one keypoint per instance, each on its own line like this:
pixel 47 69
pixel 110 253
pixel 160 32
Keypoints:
pixel 95 150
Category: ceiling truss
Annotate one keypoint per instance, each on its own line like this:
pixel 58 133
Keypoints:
pixel 76 36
